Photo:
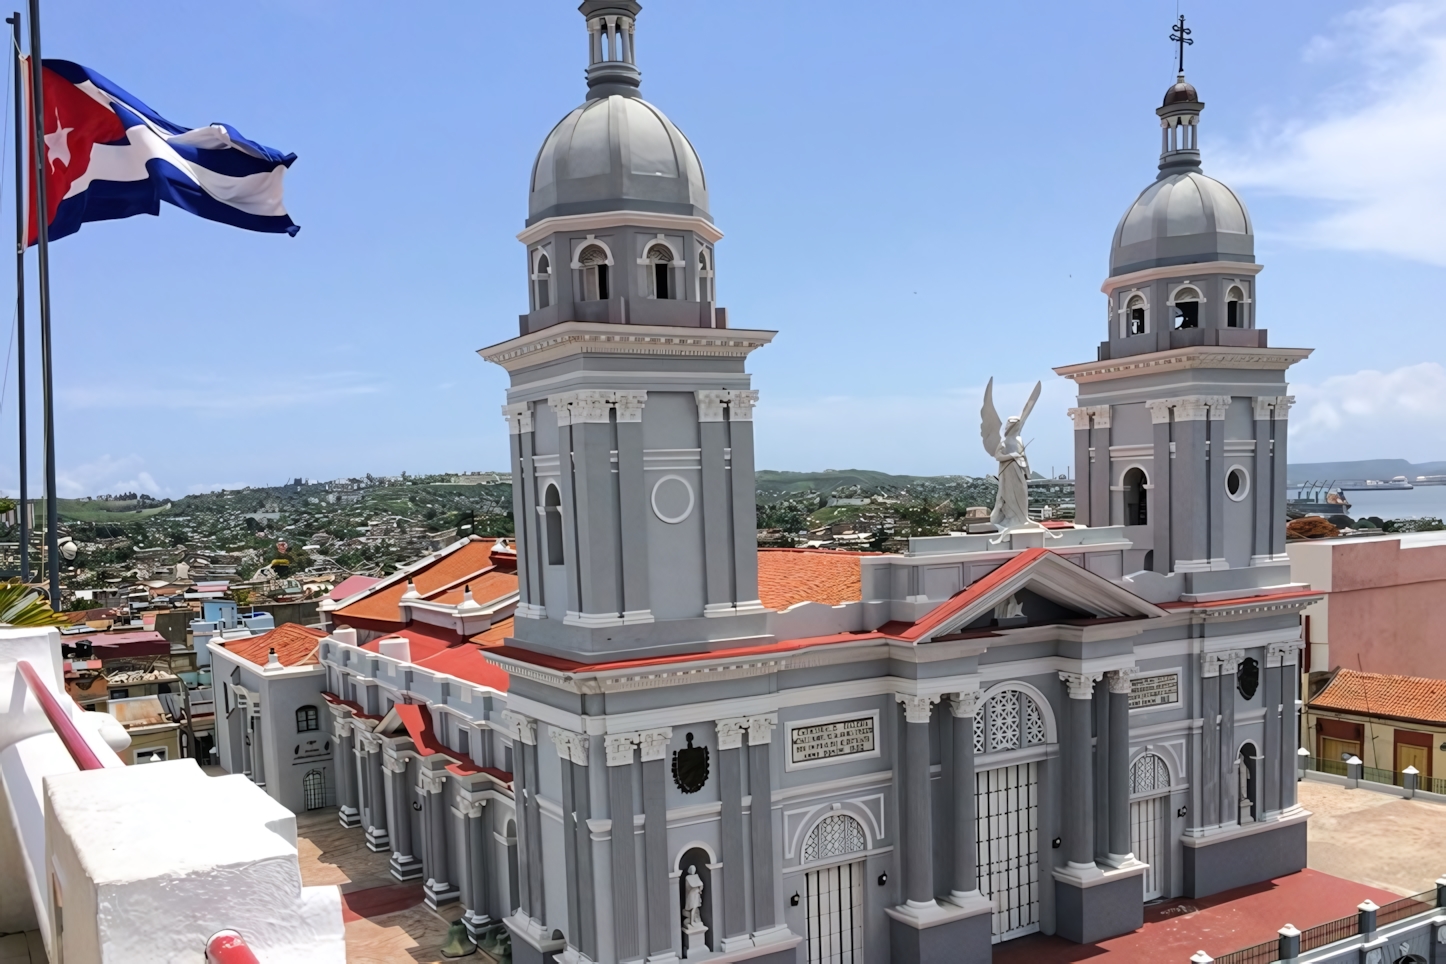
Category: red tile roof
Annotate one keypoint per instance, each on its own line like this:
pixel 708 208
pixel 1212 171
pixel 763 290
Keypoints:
pixel 469 561
pixel 1413 698
pixel 350 586
pixel 295 645
pixel 790 576
pixel 436 649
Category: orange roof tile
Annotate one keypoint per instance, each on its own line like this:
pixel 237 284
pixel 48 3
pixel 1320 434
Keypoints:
pixel 295 645
pixel 485 588
pixel 470 559
pixel 1413 698
pixel 790 576
pixel 494 635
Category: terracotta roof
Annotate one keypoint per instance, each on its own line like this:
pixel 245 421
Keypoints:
pixel 1413 698
pixel 444 652
pixel 468 561
pixel 350 586
pixel 295 645
pixel 790 576
pixel 485 588
pixel 493 635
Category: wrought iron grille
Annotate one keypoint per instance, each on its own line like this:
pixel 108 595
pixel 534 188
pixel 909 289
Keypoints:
pixel 834 836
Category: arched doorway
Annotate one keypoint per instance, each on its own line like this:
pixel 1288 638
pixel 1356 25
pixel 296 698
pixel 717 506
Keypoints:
pixel 835 907
pixel 1150 820
pixel 313 790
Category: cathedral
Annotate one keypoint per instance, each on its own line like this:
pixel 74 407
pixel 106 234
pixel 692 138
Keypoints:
pixel 685 747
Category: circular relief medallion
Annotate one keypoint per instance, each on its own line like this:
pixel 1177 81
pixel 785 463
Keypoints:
pixel 672 499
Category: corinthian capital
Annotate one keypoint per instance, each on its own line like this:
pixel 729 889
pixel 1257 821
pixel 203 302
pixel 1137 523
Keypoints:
pixel 1120 680
pixel 519 417
pixel 917 709
pixel 1081 685
pixel 523 728
pixel 654 743
pixel 760 729
pixel 619 748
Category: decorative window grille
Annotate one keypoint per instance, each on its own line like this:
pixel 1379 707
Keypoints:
pixel 1010 720
pixel 1149 774
pixel 834 836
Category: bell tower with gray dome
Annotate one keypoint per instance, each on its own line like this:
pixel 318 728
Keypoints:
pixel 1180 430
pixel 630 412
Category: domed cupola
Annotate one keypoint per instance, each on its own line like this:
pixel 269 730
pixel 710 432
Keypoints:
pixel 616 152
pixel 1184 217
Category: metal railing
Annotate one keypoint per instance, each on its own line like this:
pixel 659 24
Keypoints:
pixel 64 726
pixel 229 947
pixel 1377 775
pixel 1336 930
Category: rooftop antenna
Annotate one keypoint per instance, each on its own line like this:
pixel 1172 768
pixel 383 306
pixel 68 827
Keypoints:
pixel 1180 36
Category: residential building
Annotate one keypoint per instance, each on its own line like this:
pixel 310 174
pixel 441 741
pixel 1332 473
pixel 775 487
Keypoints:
pixel 1387 722
pixel 1381 594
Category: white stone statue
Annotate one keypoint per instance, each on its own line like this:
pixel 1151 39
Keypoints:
pixel 1011 505
pixel 693 900
pixel 1242 778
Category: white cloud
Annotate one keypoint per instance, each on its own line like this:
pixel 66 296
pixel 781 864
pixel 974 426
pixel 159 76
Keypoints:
pixel 229 391
pixel 1371 150
pixel 106 474
pixel 1371 414
pixel 910 434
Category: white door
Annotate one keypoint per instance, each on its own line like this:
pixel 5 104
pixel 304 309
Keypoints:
pixel 1149 820
pixel 1006 802
pixel 836 914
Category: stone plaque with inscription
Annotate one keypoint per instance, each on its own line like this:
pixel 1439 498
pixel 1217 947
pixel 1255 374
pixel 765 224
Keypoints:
pixel 823 741
pixel 1154 690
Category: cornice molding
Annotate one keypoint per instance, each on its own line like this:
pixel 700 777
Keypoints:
pixel 572 338
pixel 1179 359
pixel 603 220
pixel 1199 269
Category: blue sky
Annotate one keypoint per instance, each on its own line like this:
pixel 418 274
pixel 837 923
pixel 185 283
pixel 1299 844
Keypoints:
pixel 916 198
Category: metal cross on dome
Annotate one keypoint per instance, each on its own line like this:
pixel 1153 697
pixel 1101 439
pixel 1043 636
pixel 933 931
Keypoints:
pixel 1180 35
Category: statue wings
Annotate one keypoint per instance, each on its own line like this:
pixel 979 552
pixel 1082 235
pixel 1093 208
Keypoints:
pixel 1028 407
pixel 989 422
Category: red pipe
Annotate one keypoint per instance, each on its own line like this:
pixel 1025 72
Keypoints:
pixel 229 947
pixel 65 728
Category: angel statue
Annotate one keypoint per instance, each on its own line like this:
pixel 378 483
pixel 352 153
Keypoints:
pixel 1011 505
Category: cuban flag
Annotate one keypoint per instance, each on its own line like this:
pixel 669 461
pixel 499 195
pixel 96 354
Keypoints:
pixel 110 156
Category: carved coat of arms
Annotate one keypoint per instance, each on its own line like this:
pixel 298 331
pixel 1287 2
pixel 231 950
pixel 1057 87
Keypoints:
pixel 690 767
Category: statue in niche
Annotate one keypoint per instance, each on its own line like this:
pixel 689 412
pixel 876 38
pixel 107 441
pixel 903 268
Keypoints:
pixel 693 902
pixel 1242 777
pixel 1011 504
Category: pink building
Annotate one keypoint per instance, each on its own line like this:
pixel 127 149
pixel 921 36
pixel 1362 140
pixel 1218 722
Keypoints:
pixel 1383 607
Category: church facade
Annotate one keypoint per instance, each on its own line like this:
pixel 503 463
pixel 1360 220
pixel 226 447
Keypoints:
pixel 705 751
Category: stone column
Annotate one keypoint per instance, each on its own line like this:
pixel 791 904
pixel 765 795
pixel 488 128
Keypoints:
pixel 572 751
pixel 562 739
pixel 633 507
pixel 527 543
pixel 1268 773
pixel 1289 726
pixel 760 824
pixel 1278 459
pixel 745 499
pixel 1082 493
pixel 965 885
pixel 439 887
pixel 561 406
pixel 1189 487
pixel 344 762
pixel 1262 493
pixel 524 736
pixel 916 804
pixel 597 508
pixel 1210 815
pixel 734 926
pixel 398 790
pixel 476 896
pixel 1218 463
pixel 1229 782
pixel 1119 766
pixel 716 507
pixel 1099 466
pixel 378 840
pixel 620 749
pixel 653 747
pixel 1161 498
pixel 1079 773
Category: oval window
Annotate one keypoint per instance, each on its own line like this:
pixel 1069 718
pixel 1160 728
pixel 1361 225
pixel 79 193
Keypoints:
pixel 1237 482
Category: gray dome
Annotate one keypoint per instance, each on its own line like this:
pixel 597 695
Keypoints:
pixel 616 153
pixel 1182 219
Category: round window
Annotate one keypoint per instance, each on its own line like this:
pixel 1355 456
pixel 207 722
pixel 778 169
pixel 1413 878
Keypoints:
pixel 1237 482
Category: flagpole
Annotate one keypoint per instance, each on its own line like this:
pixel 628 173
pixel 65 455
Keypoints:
pixel 42 218
pixel 24 513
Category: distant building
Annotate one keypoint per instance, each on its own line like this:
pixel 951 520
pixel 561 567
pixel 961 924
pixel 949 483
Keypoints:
pixel 1388 722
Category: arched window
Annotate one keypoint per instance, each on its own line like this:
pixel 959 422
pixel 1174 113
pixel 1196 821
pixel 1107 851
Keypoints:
pixel 705 278
pixel 1135 316
pixel 307 719
pixel 594 261
pixel 1235 308
pixel 835 836
pixel 552 511
pixel 542 282
pixel 1136 510
pixel 1187 308
pixel 1149 774
pixel 313 789
pixel 660 267
pixel 1010 720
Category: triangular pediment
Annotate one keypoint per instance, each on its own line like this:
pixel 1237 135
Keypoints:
pixel 1047 586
